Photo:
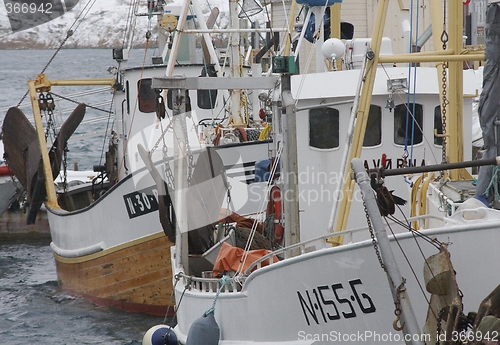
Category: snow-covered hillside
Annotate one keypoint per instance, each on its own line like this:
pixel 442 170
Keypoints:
pixel 103 26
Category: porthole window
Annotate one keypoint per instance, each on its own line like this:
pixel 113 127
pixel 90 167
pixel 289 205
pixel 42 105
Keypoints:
pixel 324 128
pixel 147 96
pixel 408 133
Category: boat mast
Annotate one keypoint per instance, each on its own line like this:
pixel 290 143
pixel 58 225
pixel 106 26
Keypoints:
pixel 335 28
pixel 318 12
pixel 206 37
pixel 290 194
pixel 362 117
pixel 454 120
pixel 177 39
pixel 130 32
pixel 181 173
pixel 235 65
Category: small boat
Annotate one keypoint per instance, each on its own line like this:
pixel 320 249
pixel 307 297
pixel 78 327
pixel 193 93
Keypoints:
pixel 325 280
pixel 109 245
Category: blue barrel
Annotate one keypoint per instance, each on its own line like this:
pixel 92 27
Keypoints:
pixel 263 170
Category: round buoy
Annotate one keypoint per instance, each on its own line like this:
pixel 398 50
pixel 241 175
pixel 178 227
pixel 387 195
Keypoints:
pixel 333 48
pixel 204 331
pixel 160 335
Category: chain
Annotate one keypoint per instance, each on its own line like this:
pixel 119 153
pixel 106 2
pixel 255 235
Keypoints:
pixel 189 154
pixel 439 330
pixel 155 146
pixel 245 106
pixel 397 307
pixel 228 196
pixel 50 124
pixel 445 102
pixel 47 105
pixel 168 172
pixel 374 241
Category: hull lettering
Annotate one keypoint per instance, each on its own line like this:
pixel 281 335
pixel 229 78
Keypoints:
pixel 327 303
pixel 141 202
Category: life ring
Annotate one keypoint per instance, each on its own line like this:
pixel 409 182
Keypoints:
pixel 5 171
pixel 274 206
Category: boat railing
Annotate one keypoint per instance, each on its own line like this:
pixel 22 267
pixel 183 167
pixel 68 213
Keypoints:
pixel 323 244
pixel 449 205
pixel 207 283
pixel 204 284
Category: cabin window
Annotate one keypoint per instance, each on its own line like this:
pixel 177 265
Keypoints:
pixel 324 128
pixel 411 134
pixel 373 134
pixel 206 98
pixel 147 96
pixel 438 125
pixel 170 103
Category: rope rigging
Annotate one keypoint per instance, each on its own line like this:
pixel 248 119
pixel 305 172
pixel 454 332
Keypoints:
pixel 47 104
pixel 412 95
pixel 239 274
pixel 397 303
pixel 77 102
pixel 79 19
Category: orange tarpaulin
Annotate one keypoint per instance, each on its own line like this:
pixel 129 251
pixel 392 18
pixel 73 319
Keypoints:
pixel 229 259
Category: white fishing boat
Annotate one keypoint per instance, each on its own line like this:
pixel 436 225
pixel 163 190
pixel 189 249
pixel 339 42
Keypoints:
pixel 108 243
pixel 328 284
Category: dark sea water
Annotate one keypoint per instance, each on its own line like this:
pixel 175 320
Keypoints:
pixel 33 309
